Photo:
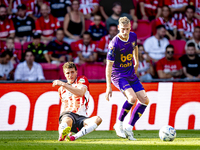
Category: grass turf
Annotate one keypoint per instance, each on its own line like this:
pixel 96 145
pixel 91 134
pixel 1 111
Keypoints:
pixel 106 140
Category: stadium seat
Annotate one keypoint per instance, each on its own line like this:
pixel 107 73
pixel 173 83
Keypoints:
pixel 18 46
pixel 144 30
pixel 61 74
pixel 179 47
pixel 153 26
pixel 74 49
pixel 94 70
pixel 51 71
pixel 87 24
pixel 61 24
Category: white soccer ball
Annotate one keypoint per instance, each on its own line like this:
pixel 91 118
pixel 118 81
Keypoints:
pixel 167 133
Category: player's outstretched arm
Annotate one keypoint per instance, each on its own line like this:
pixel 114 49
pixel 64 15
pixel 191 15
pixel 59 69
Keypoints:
pixel 78 91
pixel 108 79
pixel 135 54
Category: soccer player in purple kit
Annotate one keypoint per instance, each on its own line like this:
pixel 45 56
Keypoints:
pixel 122 71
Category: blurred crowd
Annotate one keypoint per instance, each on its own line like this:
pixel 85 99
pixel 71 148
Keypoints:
pixel 33 32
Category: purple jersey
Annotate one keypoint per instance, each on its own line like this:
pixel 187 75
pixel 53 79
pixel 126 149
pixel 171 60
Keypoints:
pixel 121 52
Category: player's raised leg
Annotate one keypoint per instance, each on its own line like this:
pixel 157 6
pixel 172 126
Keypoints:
pixel 90 125
pixel 64 128
pixel 137 113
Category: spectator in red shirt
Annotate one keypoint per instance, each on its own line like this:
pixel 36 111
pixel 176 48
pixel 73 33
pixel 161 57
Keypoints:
pixel 46 25
pixel 86 49
pixel 177 7
pixel 34 8
pixel 11 5
pixel 103 43
pixel 89 8
pixel 196 4
pixel 150 9
pixel 169 22
pixel 169 67
pixel 6 25
pixel 186 25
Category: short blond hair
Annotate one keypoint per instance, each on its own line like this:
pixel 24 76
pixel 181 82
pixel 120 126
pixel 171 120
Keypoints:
pixel 123 20
pixel 69 65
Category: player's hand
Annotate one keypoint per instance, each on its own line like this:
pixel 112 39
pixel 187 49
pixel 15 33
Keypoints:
pixel 135 25
pixel 57 83
pixel 108 93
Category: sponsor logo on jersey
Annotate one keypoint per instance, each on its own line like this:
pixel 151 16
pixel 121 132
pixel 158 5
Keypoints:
pixel 8 26
pixel 66 47
pixel 82 80
pixel 133 44
pixel 28 22
pixel 126 43
pixel 52 25
pixel 125 58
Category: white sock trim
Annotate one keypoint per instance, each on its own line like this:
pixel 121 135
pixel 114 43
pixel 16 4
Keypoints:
pixel 85 130
pixel 142 103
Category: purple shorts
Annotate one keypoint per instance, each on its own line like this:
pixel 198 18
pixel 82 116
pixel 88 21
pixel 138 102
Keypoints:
pixel 123 83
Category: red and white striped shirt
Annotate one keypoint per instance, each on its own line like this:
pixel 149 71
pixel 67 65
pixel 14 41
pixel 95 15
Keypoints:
pixel 47 27
pixel 176 4
pixel 73 103
pixel 188 29
pixel 87 6
pixel 6 27
pixel 103 44
pixel 195 3
pixel 151 7
pixel 14 4
pixel 169 25
pixel 143 67
pixel 86 50
pixel 33 8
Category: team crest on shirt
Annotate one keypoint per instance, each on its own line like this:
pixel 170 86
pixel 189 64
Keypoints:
pixel 82 80
pixel 28 22
pixel 8 26
pixel 66 48
pixel 133 44
pixel 111 51
pixel 52 25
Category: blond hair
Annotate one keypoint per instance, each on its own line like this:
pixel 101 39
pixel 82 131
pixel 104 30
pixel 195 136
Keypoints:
pixel 124 20
pixel 69 65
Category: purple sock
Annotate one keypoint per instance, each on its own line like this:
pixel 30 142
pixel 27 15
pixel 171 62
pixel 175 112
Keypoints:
pixel 125 109
pixel 137 113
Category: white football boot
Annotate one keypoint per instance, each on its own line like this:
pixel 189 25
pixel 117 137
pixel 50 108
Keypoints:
pixel 129 135
pixel 119 130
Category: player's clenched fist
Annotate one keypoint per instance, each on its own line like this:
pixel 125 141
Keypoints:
pixel 58 83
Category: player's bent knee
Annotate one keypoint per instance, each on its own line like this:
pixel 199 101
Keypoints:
pixel 67 120
pixel 98 120
pixel 132 100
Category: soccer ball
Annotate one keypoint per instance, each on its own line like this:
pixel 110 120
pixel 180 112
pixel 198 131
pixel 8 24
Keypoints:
pixel 167 133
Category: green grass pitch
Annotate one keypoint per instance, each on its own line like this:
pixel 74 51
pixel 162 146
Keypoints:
pixel 97 140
